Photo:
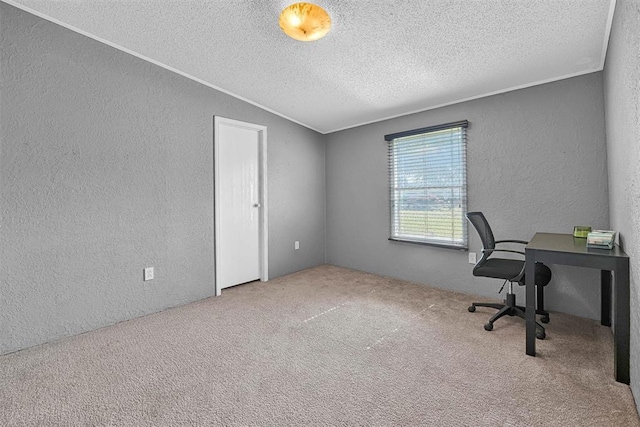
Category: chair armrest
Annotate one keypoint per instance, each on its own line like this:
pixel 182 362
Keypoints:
pixel 524 242
pixel 488 251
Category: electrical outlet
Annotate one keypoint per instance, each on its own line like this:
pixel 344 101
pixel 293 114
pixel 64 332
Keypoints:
pixel 296 245
pixel 148 273
pixel 472 257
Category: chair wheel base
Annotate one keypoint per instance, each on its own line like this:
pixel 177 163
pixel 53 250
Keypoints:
pixel 545 319
pixel 540 335
pixel 472 308
pixel 488 326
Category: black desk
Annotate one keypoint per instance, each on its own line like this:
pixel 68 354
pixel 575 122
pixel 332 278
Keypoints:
pixel 565 249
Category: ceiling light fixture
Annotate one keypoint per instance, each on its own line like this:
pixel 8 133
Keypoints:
pixel 305 21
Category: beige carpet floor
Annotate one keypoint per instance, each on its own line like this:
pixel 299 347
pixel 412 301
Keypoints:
pixel 325 346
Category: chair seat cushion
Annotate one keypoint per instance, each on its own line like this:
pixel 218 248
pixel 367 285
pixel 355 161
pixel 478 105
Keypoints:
pixel 501 268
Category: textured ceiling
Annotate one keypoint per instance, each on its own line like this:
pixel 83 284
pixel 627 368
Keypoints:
pixel 382 58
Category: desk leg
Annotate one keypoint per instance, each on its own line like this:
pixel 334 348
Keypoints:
pixel 605 297
pixel 622 318
pixel 530 314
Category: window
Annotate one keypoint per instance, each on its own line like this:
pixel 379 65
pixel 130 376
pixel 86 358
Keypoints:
pixel 428 185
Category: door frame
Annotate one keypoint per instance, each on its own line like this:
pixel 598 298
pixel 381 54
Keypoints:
pixel 262 185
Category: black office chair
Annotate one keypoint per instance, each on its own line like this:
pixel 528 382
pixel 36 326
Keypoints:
pixel 510 270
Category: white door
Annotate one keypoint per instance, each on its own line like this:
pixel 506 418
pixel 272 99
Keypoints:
pixel 240 202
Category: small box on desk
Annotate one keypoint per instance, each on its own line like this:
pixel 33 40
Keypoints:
pixel 602 239
pixel 581 231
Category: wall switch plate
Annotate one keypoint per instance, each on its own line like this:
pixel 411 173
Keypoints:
pixel 148 273
pixel 296 245
pixel 472 257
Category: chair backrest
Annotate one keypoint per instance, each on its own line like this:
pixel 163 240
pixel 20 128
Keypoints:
pixel 481 225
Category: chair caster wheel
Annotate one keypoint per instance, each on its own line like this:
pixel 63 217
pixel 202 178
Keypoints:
pixel 545 319
pixel 541 335
pixel 488 326
pixel 472 308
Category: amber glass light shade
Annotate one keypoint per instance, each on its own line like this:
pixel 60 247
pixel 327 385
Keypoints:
pixel 305 21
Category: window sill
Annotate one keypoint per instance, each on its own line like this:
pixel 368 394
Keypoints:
pixel 436 245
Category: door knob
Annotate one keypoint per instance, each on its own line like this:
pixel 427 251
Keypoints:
pixel 256 205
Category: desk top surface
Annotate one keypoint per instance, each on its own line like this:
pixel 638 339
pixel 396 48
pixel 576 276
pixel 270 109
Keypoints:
pixel 567 243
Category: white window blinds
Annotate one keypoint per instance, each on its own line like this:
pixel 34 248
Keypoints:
pixel 428 185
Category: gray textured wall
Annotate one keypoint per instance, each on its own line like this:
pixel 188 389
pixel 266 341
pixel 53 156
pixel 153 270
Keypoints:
pixel 105 168
pixel 622 111
pixel 536 162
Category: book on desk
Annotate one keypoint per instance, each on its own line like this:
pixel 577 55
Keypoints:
pixel 601 239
